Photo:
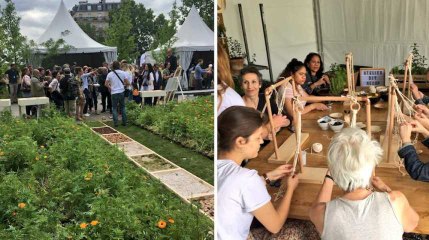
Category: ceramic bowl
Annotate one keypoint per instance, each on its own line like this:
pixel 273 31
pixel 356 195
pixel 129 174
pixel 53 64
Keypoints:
pixel 324 123
pixel 336 125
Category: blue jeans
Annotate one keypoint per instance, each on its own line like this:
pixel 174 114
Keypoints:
pixel 118 98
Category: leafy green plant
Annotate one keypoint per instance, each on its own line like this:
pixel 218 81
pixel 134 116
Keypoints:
pixel 338 78
pixel 188 123
pixel 418 65
pixel 70 184
pixel 235 49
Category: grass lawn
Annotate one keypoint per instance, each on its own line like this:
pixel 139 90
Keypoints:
pixel 195 163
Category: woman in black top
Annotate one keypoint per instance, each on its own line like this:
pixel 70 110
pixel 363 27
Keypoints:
pixel 315 78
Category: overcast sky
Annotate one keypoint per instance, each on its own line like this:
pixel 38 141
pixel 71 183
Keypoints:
pixel 37 14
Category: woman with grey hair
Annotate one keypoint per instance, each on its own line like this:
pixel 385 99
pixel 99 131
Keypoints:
pixel 361 212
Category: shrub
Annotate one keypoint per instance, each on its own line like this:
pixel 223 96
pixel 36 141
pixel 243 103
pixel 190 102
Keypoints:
pixel 189 123
pixel 61 181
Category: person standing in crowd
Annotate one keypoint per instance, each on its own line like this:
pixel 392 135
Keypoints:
pixel 26 88
pixel 116 82
pixel 105 94
pixel 12 75
pixel 37 87
pixel 157 83
pixel 80 101
pixel 171 59
pixel 209 77
pixel 166 74
pixel 69 88
pixel 54 89
pixel 148 82
pixel 84 79
pixel 199 71
pixel 92 82
pixel 129 75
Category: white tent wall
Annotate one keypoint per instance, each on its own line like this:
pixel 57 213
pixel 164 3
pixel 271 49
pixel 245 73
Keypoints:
pixel 379 33
pixel 290 28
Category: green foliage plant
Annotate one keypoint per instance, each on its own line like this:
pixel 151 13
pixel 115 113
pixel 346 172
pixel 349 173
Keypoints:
pixel 59 180
pixel 338 78
pixel 188 123
pixel 235 49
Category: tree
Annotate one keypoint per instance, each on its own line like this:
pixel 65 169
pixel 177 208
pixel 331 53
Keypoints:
pixel 53 49
pixel 205 8
pixel 12 42
pixel 119 32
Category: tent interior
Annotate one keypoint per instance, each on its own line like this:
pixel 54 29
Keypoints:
pixel 83 59
pixel 378 33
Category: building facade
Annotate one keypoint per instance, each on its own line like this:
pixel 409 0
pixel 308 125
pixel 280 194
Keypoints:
pixel 96 14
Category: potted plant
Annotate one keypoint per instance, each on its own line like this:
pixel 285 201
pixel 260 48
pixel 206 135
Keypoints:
pixel 236 55
pixel 338 78
pixel 418 69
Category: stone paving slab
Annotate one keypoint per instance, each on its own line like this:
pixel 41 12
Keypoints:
pixel 184 183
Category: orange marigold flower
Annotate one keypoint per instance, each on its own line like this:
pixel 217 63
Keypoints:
pixel 21 205
pixel 162 224
pixel 88 176
pixel 83 225
pixel 171 220
pixel 94 222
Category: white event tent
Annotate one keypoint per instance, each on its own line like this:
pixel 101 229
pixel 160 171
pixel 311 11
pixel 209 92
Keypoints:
pixel 64 27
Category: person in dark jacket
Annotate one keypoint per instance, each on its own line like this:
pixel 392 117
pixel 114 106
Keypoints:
pixel 416 168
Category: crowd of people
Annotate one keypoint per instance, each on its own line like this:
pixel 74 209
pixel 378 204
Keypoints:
pixel 367 209
pixel 77 90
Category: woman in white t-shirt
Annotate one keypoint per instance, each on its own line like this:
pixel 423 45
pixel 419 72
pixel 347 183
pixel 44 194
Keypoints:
pixel 226 96
pixel 297 70
pixel 241 192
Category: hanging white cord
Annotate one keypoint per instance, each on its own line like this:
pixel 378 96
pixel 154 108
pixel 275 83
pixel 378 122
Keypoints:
pixel 297 107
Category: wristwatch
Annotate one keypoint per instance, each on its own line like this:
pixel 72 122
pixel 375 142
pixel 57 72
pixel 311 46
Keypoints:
pixel 267 180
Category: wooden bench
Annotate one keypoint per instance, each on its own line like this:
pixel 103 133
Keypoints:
pixel 23 102
pixel 167 93
pixel 5 103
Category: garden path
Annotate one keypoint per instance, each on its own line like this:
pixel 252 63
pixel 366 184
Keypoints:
pixel 185 184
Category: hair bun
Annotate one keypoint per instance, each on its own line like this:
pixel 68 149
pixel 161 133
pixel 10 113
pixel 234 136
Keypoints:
pixel 294 60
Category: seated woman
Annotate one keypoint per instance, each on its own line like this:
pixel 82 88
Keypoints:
pixel 251 83
pixel 296 69
pixel 360 213
pixel 241 192
pixel 416 168
pixel 226 96
pixel 315 77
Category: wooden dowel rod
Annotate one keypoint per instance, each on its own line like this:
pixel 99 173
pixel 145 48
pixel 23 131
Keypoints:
pixel 331 98
pixel 392 99
pixel 368 117
pixel 273 131
pixel 269 89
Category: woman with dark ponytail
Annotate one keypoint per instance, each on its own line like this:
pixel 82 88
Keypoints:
pixel 297 70
pixel 241 193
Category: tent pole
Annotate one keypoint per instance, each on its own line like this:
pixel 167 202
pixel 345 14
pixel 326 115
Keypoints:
pixel 267 46
pixel 318 26
pixel 243 29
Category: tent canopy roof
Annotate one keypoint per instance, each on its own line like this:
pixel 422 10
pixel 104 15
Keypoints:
pixel 63 26
pixel 194 34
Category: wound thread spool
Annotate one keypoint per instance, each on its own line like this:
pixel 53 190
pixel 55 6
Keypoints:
pixel 317 147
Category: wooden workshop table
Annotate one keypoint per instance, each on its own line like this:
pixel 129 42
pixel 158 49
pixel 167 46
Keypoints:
pixel 416 192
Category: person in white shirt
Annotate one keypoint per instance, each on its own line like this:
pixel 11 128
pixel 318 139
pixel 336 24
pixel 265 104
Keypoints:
pixel 226 95
pixel 116 82
pixel 241 192
pixel 54 88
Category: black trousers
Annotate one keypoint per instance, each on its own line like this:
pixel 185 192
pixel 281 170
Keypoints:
pixel 88 101
pixel 106 97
